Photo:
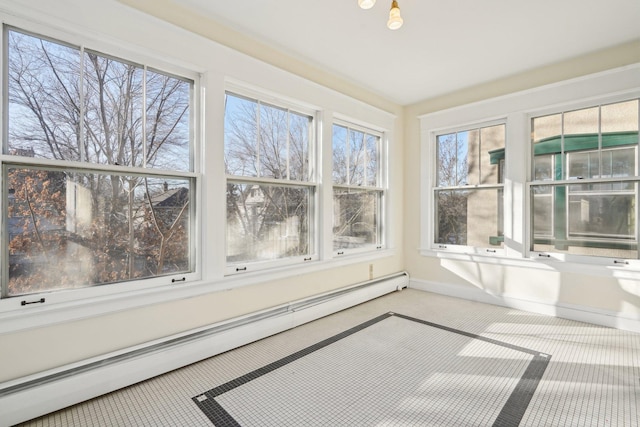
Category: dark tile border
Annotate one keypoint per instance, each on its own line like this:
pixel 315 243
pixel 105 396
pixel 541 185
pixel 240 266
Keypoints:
pixel 510 415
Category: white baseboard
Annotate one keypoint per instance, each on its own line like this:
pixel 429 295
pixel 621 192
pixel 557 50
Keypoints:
pixel 566 311
pixel 28 398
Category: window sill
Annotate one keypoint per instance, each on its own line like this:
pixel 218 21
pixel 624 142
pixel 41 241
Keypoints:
pixel 602 267
pixel 14 318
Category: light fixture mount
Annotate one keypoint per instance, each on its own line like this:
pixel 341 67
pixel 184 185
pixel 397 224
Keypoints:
pixel 395 20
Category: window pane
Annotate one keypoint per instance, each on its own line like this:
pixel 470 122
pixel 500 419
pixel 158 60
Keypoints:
pixel 43 98
pixel 113 94
pixel 274 152
pixel 168 122
pixel 447 168
pixel 492 146
pixel 240 136
pixel 595 214
pixel 547 142
pixel 585 219
pixel 620 117
pixel 469 157
pixel 583 165
pixel 340 155
pixel 356 157
pixel 581 121
pixel 469 217
pixel 356 218
pixel 262 140
pixel 542 201
pixel 373 160
pixel 546 127
pixel 267 222
pixel 299 134
pixel 543 168
pixel 619 162
pixel 73 229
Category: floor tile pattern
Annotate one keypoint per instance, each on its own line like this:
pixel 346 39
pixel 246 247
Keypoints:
pixel 592 378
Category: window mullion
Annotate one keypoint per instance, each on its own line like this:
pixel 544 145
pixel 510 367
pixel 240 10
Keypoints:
pixel 144 118
pixel 288 143
pixel 81 131
pixel 258 137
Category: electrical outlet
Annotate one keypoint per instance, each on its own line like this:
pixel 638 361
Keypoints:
pixel 370 271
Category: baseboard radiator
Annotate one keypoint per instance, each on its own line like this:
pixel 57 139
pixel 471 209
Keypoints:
pixel 51 391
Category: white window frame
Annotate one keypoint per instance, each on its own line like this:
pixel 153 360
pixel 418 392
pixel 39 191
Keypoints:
pixel 220 70
pixel 69 295
pixel 242 267
pixel 567 181
pixel 517 109
pixel 464 249
pixel 381 188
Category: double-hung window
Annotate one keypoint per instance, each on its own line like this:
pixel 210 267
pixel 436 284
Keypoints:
pixel 468 195
pixel 584 192
pixel 358 189
pixel 97 169
pixel 271 185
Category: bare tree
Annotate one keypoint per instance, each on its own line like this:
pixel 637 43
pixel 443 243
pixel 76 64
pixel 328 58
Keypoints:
pixel 451 205
pixel 74 105
pixel 273 143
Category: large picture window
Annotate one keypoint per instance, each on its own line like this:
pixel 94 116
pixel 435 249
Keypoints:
pixel 469 188
pixel 358 189
pixel 271 188
pixel 585 181
pixel 96 168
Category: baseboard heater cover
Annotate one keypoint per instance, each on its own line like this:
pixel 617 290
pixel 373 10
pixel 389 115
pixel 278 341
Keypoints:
pixel 51 391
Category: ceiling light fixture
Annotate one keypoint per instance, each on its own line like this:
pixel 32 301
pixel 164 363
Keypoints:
pixel 366 4
pixel 395 20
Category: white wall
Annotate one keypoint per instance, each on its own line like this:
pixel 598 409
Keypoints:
pixel 38 339
pixel 604 294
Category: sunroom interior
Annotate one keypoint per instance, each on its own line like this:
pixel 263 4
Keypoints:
pixel 470 154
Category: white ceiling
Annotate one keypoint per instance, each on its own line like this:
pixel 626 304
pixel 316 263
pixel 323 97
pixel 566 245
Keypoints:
pixel 443 46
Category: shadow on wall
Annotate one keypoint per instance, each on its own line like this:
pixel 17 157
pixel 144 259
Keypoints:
pixel 611 298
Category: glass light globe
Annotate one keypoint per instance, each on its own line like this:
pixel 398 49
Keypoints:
pixel 366 4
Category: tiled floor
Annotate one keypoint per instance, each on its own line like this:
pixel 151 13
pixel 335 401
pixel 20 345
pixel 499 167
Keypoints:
pixel 467 365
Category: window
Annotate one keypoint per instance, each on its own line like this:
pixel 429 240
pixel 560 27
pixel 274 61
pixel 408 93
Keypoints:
pixel 97 169
pixel 271 188
pixel 358 189
pixel 585 181
pixel 469 188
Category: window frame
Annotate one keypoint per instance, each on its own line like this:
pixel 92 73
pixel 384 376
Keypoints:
pixel 517 108
pixel 380 188
pixel 269 99
pixel 192 175
pixel 566 180
pixel 488 250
